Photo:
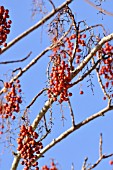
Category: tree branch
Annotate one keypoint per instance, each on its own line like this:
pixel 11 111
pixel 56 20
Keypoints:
pixel 91 54
pixel 76 127
pixel 16 61
pixel 98 8
pixel 41 22
pixel 22 71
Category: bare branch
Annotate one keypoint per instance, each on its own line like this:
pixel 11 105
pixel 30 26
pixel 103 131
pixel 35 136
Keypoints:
pixel 45 124
pixel 51 2
pixel 101 157
pixel 91 54
pixel 84 163
pixel 98 8
pixel 22 71
pixel 93 26
pixel 42 113
pixel 16 61
pixel 101 84
pixel 63 135
pixel 15 161
pixel 72 129
pixel 99 160
pixel 41 22
pixel 71 112
pixel 86 74
pixel 44 136
pixel 34 99
pixel 100 145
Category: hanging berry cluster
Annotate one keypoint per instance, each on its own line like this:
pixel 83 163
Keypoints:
pixel 52 167
pixel 60 81
pixel 28 147
pixel 12 100
pixel 60 76
pixel 70 46
pixel 106 67
pixel 5 25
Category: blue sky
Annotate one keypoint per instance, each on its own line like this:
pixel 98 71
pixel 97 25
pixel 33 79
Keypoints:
pixel 84 142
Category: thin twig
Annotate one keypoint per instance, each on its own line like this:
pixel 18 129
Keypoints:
pixel 51 2
pixel 101 157
pixel 71 113
pixel 26 68
pixel 99 160
pixel 44 136
pixel 86 74
pixel 100 145
pixel 84 163
pixel 45 124
pixel 16 61
pixel 93 26
pixel 100 82
pixel 72 166
pixel 98 8
pixel 34 99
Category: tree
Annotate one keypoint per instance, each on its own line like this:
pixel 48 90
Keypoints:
pixel 72 73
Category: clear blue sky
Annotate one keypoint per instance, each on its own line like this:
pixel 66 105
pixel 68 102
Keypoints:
pixel 84 142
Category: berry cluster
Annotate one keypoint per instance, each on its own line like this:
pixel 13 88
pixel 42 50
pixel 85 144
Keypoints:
pixel 60 76
pixel 28 147
pixel 12 100
pixel 60 81
pixel 70 46
pixel 4 25
pixel 106 68
pixel 52 167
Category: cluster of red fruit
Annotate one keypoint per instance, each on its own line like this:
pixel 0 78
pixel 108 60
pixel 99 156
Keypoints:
pixel 28 147
pixel 52 167
pixel 60 76
pixel 70 45
pixel 4 25
pixel 59 81
pixel 13 100
pixel 107 66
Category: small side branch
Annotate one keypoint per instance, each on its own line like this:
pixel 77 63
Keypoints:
pixel 34 99
pixel 100 146
pixel 99 160
pixel 71 113
pixel 94 26
pixel 22 71
pixel 100 82
pixel 98 8
pixel 16 61
pixel 101 157
pixel 84 163
pixel 51 2
pixel 86 74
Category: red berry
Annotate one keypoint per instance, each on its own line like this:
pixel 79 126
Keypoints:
pixel 81 92
pixel 104 98
pixel 111 162
pixel 13 117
